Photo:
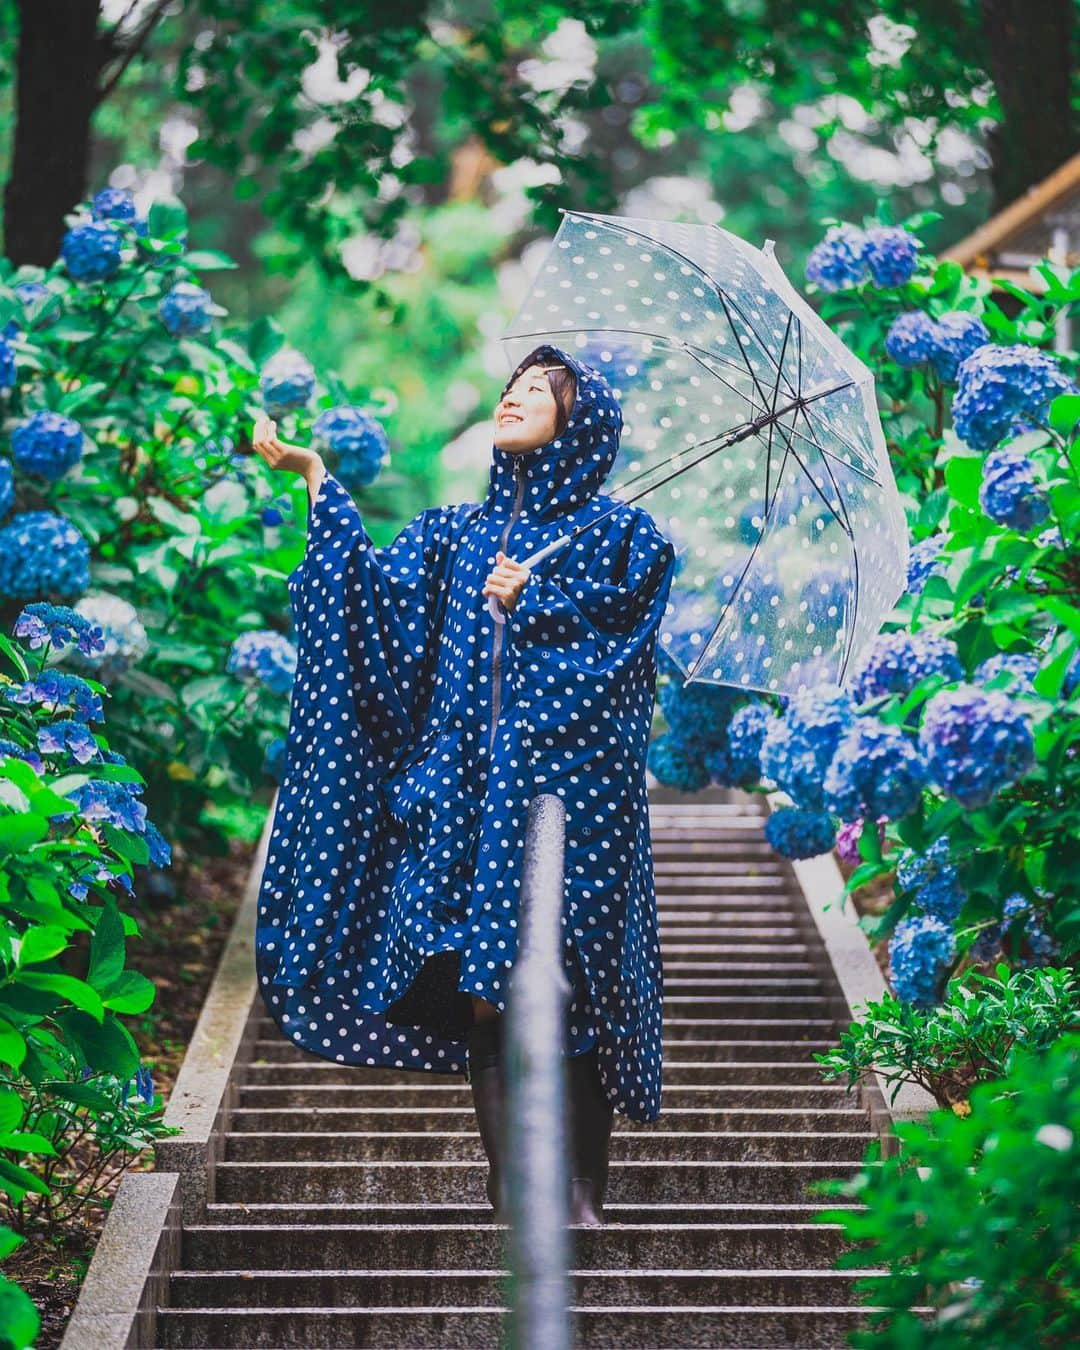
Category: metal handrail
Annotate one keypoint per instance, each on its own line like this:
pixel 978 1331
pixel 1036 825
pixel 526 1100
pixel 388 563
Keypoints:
pixel 535 1133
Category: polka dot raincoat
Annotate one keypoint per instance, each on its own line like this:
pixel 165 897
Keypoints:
pixel 419 731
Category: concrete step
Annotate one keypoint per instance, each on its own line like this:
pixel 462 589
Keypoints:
pixel 462 1179
pixel 759 1085
pixel 282 1245
pixel 716 1326
pixel 395 1120
pixel 774 935
pixel 412 1286
pixel 721 916
pixel 328 1146
pixel 449 1217
pixel 746 986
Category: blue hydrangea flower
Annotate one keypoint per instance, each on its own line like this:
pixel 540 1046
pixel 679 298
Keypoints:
pixel 1021 666
pixel 288 381
pixel 113 203
pixel 56 689
pixel 42 553
pixel 29 292
pixel 998 384
pixel 160 850
pixel 91 252
pixel 102 799
pixel 797 747
pixel 924 558
pixel 8 373
pixel 956 335
pixel 1011 493
pixel 796 833
pixel 876 771
pixel 274 759
pixel 357 439
pixel 22 752
pixel 975 741
pixel 738 763
pixel 896 662
pixel 911 339
pixel 7 486
pixel 124 638
pixel 264 655
pixel 42 622
pixel 838 261
pixel 891 254
pixel 920 952
pixel 271 515
pixel 68 737
pixel 1072 675
pixel 1042 945
pixel 698 714
pixel 186 309
pixel 47 444
pixel 934 880
pixel 674 765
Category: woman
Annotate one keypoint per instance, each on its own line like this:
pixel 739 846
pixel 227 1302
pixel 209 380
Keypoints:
pixel 419 731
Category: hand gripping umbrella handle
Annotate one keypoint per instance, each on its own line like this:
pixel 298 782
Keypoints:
pixel 495 608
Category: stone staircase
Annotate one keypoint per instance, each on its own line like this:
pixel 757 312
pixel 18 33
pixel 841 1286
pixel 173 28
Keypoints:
pixel 349 1210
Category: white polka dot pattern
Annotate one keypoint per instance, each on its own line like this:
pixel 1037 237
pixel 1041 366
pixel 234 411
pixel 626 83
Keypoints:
pixel 397 841
pixel 792 543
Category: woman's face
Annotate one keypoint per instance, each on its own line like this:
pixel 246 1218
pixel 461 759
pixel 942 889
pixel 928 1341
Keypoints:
pixel 526 414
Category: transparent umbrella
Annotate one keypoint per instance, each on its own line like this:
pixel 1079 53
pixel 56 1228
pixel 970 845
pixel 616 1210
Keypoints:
pixel 752 430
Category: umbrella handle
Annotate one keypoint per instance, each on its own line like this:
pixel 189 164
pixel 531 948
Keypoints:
pixel 494 605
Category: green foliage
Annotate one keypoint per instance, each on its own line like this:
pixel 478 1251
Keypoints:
pixel 965 1040
pixel 977 1219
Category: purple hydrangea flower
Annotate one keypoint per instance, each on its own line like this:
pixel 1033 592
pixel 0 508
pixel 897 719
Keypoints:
pixel 47 444
pixel 934 880
pixel 911 339
pixel 797 747
pixel 113 203
pixel 896 662
pixel 186 309
pixel 923 561
pixel 839 260
pixel 796 833
pixel 68 737
pixel 357 439
pixel 8 373
pixel 676 766
pixel 891 254
pixel 1011 493
pixel 1021 666
pixel 975 741
pixel 42 553
pixel 876 771
pixel 42 622
pixel 848 836
pixel 920 952
pixel 22 752
pixel 91 252
pixel 738 763
pixel 997 385
pixel 698 714
pixel 288 381
pixel 264 655
pixel 102 799
pixel 956 335
pixel 56 689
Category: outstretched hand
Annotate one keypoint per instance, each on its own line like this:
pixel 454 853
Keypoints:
pixel 506 580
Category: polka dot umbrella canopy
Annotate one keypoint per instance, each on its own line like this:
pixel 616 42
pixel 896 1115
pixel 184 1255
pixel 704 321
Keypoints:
pixel 752 430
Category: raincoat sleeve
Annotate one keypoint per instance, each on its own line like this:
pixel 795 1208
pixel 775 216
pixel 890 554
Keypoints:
pixel 585 643
pixel 374 606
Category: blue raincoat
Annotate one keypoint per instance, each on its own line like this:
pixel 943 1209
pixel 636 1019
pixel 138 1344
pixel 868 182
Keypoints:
pixel 420 730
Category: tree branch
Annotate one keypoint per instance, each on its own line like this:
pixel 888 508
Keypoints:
pixel 133 48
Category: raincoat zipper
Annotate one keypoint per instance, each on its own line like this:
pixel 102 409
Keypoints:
pixel 500 629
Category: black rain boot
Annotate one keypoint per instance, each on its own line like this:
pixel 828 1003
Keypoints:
pixel 489 1100
pixel 590 1133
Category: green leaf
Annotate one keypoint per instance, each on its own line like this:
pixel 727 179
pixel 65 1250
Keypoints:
pixel 12 1109
pixel 67 987
pixel 208 260
pixel 130 993
pixel 963 476
pixel 184 522
pixel 42 944
pixel 19 831
pixel 106 948
pixel 12 1044
pixel 25 1141
pixel 106 1046
pixel 166 220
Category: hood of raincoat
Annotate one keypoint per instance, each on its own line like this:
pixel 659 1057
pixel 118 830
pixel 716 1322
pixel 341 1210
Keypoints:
pixel 567 471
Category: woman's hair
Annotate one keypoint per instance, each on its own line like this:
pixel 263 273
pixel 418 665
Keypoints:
pixel 563 383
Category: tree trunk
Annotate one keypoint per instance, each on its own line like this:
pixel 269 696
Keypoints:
pixel 57 67
pixel 1030 43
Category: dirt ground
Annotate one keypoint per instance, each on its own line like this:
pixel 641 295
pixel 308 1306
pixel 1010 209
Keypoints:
pixel 179 950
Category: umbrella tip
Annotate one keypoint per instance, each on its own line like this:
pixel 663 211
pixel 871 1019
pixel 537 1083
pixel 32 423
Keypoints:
pixel 768 246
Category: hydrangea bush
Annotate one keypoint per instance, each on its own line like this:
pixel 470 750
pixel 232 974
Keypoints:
pixel 129 493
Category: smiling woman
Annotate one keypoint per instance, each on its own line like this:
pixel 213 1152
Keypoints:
pixel 535 406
